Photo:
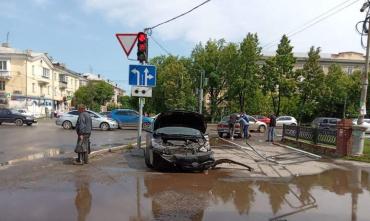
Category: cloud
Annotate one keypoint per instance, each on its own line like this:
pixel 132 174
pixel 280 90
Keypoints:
pixel 233 19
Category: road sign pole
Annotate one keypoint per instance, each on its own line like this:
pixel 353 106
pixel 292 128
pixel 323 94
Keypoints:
pixel 139 126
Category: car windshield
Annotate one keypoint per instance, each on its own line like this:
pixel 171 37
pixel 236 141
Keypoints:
pixel 186 131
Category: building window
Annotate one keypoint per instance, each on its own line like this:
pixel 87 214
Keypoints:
pixel 3 66
pixel 45 73
pixel 33 88
pixel 33 69
pixel 350 70
pixel 2 85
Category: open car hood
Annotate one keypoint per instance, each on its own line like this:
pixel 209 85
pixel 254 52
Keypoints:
pixel 180 119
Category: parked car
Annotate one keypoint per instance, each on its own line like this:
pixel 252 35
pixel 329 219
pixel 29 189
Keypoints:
pixel 287 120
pixel 25 112
pixel 178 139
pixel 254 125
pixel 13 116
pixel 327 123
pixel 106 114
pixel 69 120
pixel 127 118
pixel 261 118
pixel 366 124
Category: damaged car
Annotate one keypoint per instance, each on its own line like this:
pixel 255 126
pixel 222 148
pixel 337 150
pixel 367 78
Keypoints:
pixel 178 140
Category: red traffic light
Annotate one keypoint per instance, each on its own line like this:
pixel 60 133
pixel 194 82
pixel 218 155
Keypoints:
pixel 142 47
pixel 141 37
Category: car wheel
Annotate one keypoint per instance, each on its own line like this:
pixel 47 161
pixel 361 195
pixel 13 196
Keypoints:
pixel 67 125
pixel 104 126
pixel 147 157
pixel 293 124
pixel 19 122
pixel 262 129
pixel 29 124
pixel 220 135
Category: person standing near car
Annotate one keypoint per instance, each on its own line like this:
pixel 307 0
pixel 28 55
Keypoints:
pixel 232 121
pixel 83 129
pixel 245 118
pixel 272 125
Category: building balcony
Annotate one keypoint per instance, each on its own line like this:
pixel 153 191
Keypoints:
pixel 43 80
pixel 5 75
pixel 63 85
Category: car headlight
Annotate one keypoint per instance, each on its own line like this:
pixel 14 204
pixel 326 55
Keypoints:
pixel 156 144
pixel 29 118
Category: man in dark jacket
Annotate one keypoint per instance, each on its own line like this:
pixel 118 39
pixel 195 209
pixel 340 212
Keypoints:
pixel 83 129
pixel 271 131
pixel 232 121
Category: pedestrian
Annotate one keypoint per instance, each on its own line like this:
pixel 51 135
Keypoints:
pixel 232 120
pixel 245 127
pixel 83 129
pixel 272 125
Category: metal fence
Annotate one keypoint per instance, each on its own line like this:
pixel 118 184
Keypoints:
pixel 314 135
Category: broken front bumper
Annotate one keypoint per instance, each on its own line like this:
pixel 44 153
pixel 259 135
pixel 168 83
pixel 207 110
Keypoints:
pixel 197 161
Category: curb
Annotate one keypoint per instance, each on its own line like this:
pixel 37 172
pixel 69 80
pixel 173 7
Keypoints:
pixel 111 149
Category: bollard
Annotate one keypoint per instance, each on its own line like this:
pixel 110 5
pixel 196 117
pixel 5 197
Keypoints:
pixel 358 139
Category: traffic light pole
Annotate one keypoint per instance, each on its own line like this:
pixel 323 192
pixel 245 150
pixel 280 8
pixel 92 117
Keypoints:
pixel 358 132
pixel 140 124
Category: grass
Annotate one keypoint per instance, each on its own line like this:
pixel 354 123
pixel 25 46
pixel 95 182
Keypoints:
pixel 366 154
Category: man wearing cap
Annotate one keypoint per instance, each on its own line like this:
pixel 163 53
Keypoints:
pixel 83 129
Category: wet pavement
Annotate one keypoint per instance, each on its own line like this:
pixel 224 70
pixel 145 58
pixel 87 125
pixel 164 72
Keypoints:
pixel 46 137
pixel 118 186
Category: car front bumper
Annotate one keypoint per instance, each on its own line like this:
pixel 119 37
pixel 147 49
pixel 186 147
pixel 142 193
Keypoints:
pixel 190 162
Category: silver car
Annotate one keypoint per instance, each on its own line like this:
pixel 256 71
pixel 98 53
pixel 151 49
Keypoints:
pixel 69 120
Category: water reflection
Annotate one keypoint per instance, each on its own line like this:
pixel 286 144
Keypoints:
pixel 191 196
pixel 83 199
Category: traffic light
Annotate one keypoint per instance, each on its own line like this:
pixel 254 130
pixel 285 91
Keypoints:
pixel 142 47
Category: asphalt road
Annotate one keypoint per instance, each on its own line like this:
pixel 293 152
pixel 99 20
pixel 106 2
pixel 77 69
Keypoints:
pixel 18 142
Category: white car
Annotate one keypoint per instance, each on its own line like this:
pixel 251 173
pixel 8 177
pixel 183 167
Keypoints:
pixel 25 112
pixel 287 120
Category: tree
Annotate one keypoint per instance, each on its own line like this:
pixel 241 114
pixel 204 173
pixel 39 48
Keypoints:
pixel 94 95
pixel 310 82
pixel 208 59
pixel 243 80
pixel 174 85
pixel 278 78
pixel 340 94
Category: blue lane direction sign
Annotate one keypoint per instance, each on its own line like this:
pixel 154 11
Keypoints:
pixel 142 75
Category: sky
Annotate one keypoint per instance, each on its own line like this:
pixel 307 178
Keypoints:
pixel 81 33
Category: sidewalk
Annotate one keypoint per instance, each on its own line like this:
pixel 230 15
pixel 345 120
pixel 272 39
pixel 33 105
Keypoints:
pixel 267 159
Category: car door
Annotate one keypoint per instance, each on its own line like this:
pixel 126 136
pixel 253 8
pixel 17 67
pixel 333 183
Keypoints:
pixel 132 118
pixel 71 116
pixel 252 123
pixel 8 116
pixel 2 115
pixel 95 120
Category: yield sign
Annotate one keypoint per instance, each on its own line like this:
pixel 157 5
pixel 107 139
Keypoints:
pixel 127 41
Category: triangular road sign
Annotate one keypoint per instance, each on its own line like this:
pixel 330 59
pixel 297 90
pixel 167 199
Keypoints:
pixel 127 42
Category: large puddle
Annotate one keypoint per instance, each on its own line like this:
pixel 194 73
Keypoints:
pixel 332 195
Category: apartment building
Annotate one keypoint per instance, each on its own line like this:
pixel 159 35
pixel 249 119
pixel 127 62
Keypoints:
pixel 30 80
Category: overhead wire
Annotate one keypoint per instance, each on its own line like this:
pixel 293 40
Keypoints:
pixel 160 45
pixel 364 29
pixel 336 9
pixel 174 18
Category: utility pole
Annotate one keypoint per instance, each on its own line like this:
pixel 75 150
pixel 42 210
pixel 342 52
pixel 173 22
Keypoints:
pixel 359 131
pixel 201 92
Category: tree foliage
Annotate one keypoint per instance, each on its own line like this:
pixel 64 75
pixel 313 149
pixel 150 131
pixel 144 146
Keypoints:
pixel 94 95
